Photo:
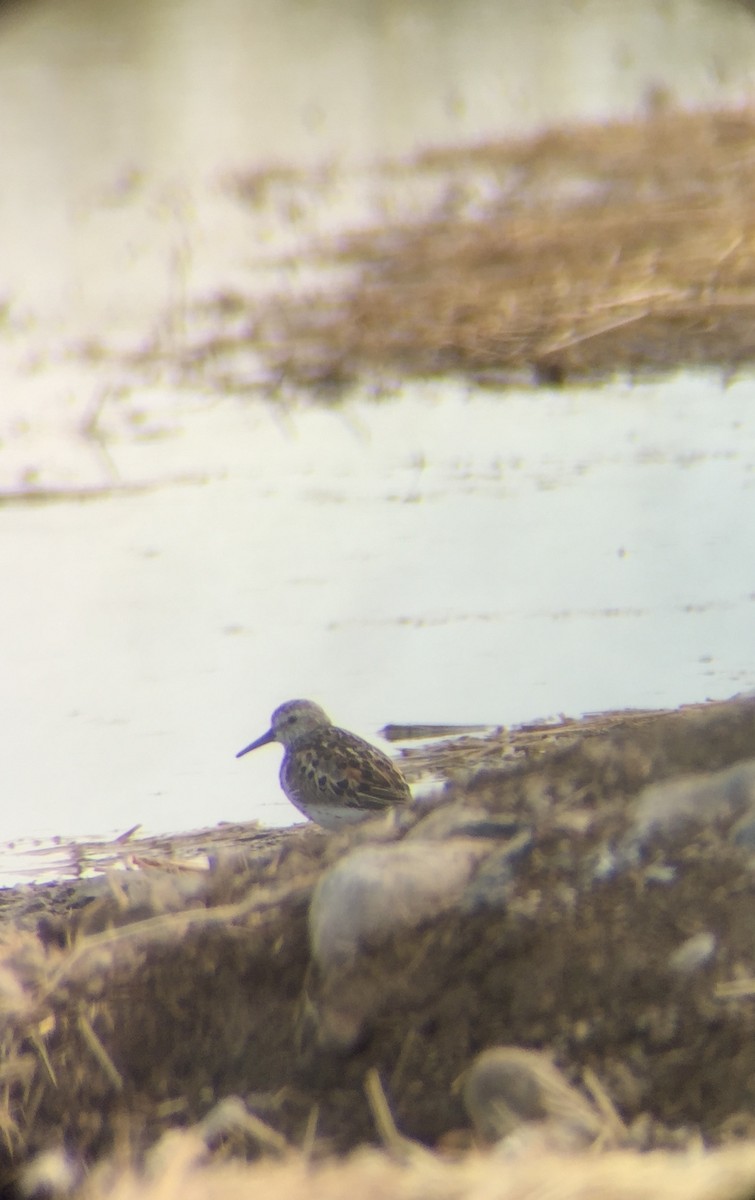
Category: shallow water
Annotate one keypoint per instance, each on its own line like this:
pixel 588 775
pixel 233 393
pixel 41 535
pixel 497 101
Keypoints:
pixel 439 557
pixel 449 554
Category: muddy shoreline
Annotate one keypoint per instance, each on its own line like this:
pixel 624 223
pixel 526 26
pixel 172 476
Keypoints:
pixel 135 1008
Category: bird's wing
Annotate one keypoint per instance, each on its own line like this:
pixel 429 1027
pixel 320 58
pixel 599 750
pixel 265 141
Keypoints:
pixel 345 769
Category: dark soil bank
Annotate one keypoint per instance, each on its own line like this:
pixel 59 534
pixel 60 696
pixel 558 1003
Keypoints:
pixel 607 918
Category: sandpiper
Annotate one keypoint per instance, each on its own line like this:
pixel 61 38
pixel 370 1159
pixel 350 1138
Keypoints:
pixel 332 776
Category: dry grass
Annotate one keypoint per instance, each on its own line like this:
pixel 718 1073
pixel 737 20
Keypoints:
pixel 722 1175
pixel 574 254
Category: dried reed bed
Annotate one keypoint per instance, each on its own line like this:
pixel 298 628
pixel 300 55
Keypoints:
pixel 581 252
pixel 722 1175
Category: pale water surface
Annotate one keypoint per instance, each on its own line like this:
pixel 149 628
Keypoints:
pixel 456 557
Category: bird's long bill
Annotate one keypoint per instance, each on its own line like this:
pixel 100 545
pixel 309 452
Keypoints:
pixel 261 741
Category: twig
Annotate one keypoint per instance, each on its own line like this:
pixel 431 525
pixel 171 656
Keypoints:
pixel 400 1148
pixel 99 1052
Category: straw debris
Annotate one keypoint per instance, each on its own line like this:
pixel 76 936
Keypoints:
pixel 571 255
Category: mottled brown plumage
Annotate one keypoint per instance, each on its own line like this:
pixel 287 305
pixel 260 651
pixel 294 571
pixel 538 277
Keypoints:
pixel 329 774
